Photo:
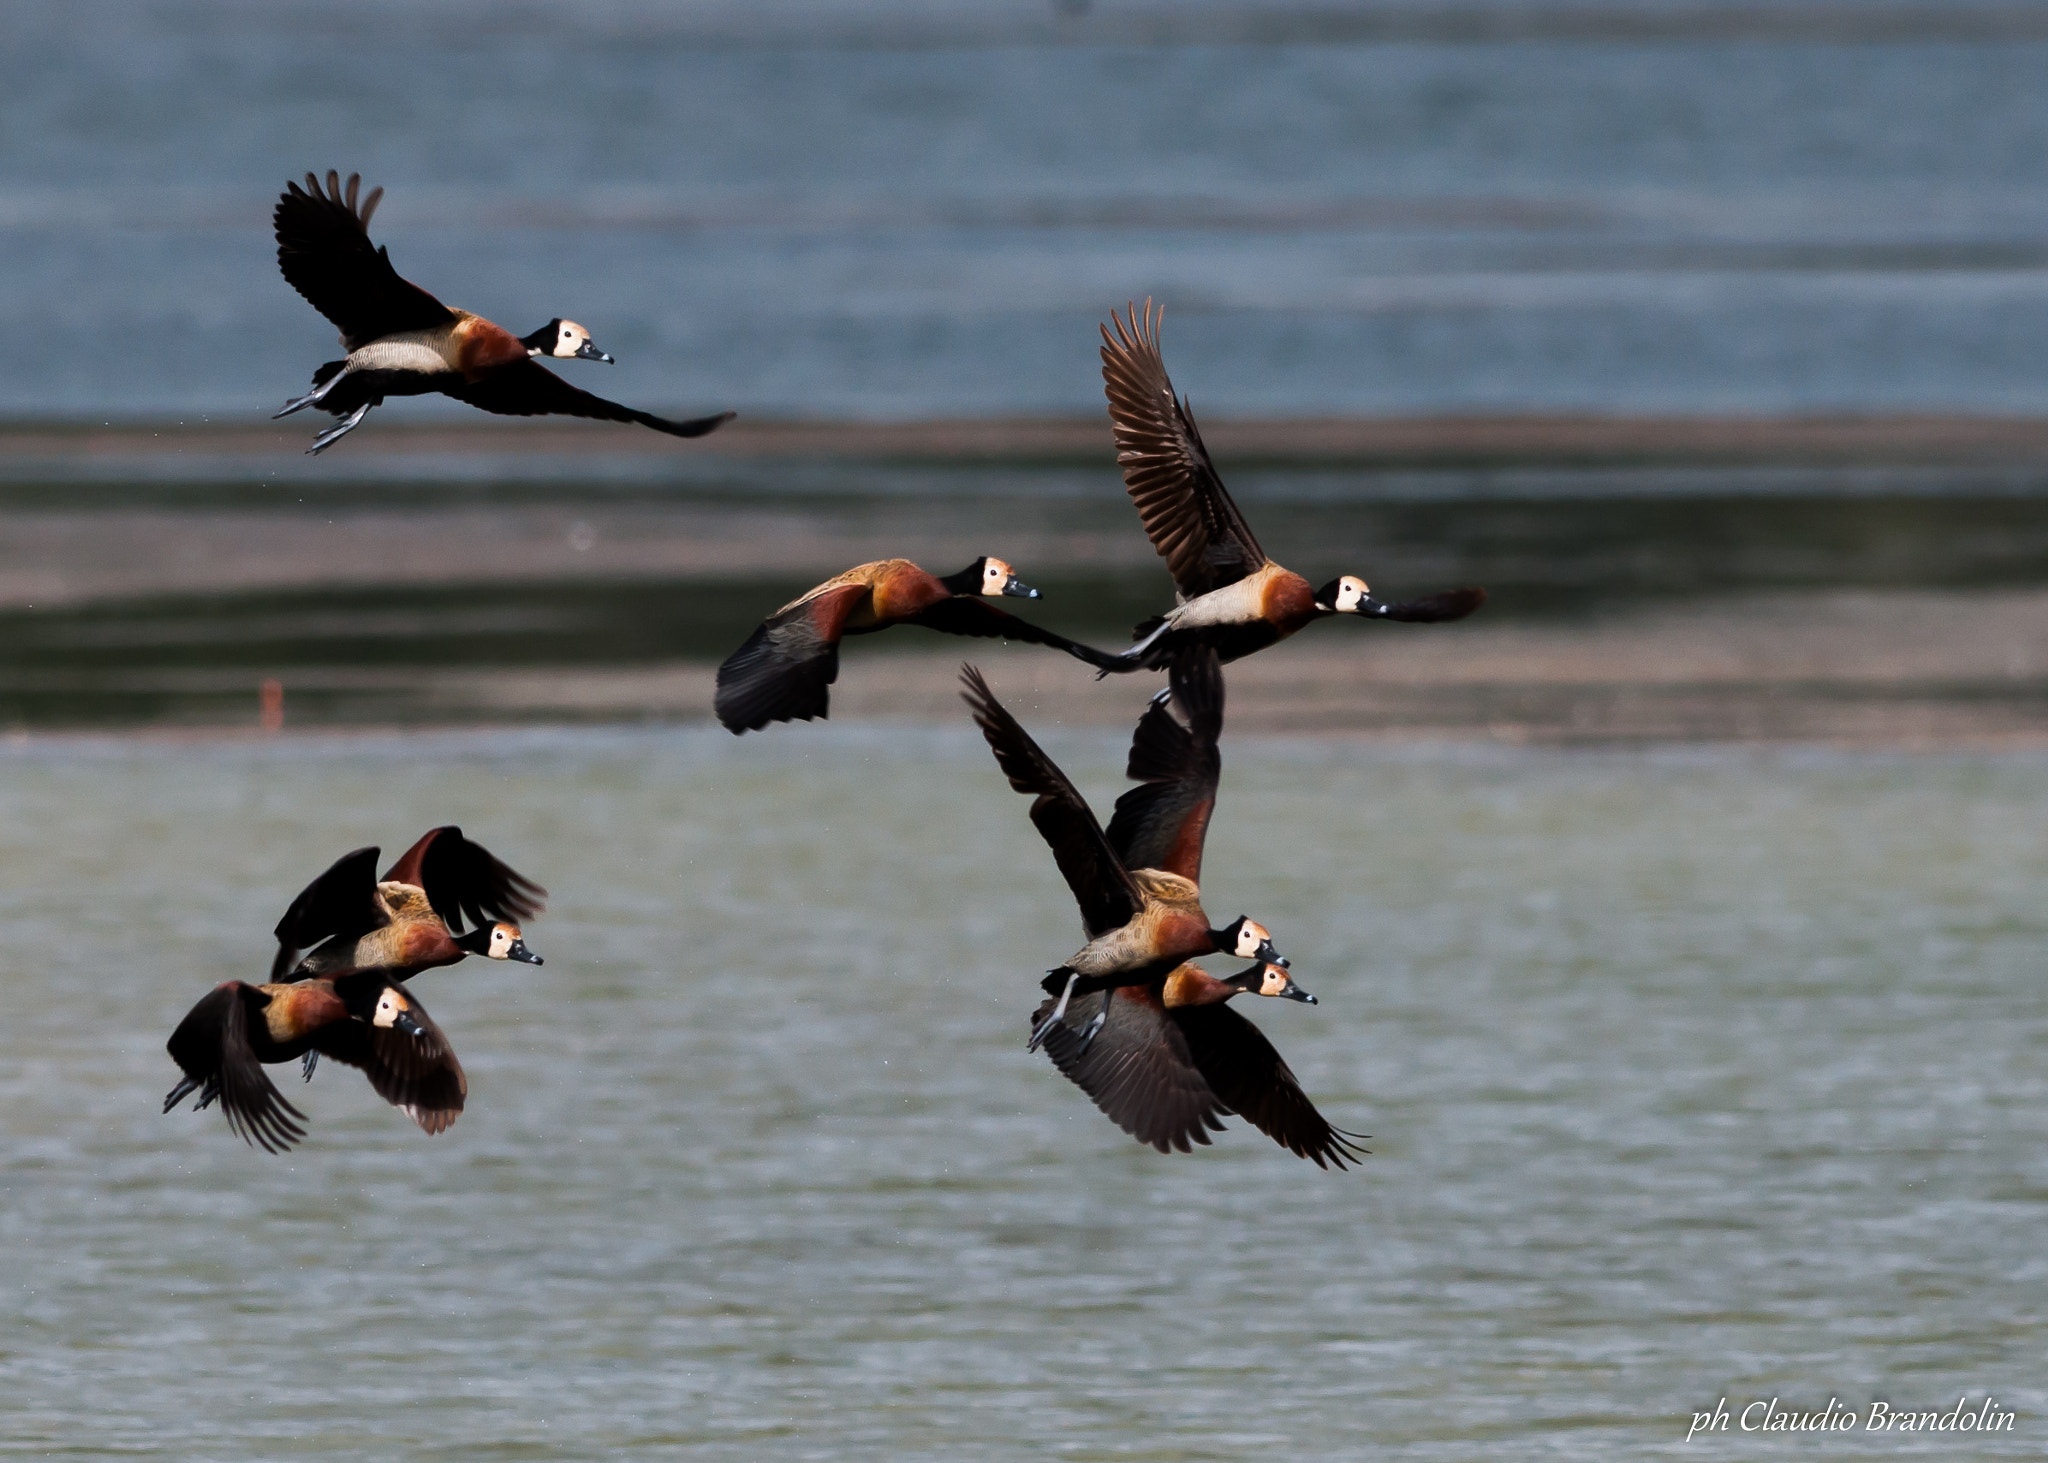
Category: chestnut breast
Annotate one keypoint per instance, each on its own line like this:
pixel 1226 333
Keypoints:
pixel 1288 602
pixel 481 346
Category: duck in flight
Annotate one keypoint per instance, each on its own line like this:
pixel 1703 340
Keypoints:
pixel 1137 883
pixel 349 920
pixel 1173 1059
pixel 363 1020
pixel 783 671
pixel 401 341
pixel 1231 595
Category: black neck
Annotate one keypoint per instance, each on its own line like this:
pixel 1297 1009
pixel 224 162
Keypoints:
pixel 967 581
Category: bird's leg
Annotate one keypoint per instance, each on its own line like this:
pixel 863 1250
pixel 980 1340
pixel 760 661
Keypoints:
pixel 207 1094
pixel 179 1093
pixel 312 398
pixel 309 1062
pixel 1044 1028
pixel 1088 1031
pixel 339 430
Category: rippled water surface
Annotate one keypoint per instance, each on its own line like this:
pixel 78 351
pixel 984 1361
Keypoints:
pixel 1690 1075
pixel 889 208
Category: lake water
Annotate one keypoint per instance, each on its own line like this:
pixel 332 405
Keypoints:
pixel 884 208
pixel 1690 1075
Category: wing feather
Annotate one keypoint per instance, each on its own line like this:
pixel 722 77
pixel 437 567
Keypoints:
pixel 464 882
pixel 342 901
pixel 528 389
pixel 1248 1075
pixel 1188 514
pixel 784 670
pixel 1107 894
pixel 211 1046
pixel 419 1074
pixel 1163 822
pixel 324 249
pixel 1137 1070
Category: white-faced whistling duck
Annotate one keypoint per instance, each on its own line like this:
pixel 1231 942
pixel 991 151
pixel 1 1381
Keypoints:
pixel 1137 884
pixel 1172 1060
pixel 363 1020
pixel 1230 594
pixel 401 341
pixel 349 920
pixel 782 672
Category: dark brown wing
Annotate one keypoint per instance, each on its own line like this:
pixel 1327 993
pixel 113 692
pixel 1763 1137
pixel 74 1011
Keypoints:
pixel 1244 1070
pixel 527 389
pixel 1137 1069
pixel 324 249
pixel 782 672
pixel 966 615
pixel 343 901
pixel 211 1046
pixel 1162 822
pixel 463 882
pixel 1430 609
pixel 1107 894
pixel 1187 513
pixel 417 1073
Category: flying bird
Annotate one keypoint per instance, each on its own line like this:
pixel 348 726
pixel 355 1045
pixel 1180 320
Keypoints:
pixel 1231 595
pixel 784 670
pixel 363 1020
pixel 1173 1059
pixel 401 341
pixel 1137 884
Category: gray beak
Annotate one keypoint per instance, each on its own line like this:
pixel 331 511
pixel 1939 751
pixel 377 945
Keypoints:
pixel 519 952
pixel 1018 589
pixel 1296 993
pixel 588 351
pixel 404 1022
pixel 1267 953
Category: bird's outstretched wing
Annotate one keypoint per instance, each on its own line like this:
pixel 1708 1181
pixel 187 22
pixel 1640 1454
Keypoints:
pixel 324 249
pixel 343 901
pixel 1107 894
pixel 970 615
pixel 1137 1069
pixel 1163 821
pixel 1429 609
pixel 417 1073
pixel 1248 1075
pixel 1187 512
pixel 528 389
pixel 784 670
pixel 463 882
pixel 211 1046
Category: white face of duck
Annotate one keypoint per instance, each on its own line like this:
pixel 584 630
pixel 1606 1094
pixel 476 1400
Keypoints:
pixel 1273 981
pixel 573 343
pixel 1250 941
pixel 394 1010
pixel 998 578
pixel 507 943
pixel 1352 595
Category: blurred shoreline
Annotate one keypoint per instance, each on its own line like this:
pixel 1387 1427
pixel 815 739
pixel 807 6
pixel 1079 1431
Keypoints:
pixel 1448 440
pixel 1858 581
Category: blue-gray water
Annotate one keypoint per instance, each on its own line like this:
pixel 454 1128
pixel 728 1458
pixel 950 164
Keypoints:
pixel 896 209
pixel 1690 1075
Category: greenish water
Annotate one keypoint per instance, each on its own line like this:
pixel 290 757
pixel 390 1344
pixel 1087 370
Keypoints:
pixel 354 654
pixel 1690 1075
